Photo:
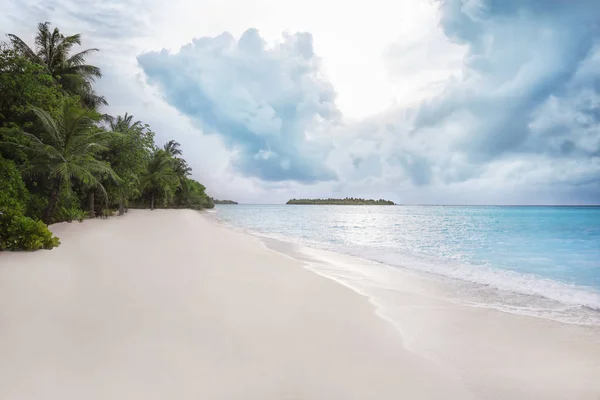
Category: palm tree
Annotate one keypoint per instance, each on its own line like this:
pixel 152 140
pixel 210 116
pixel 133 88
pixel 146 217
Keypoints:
pixel 159 177
pixel 125 130
pixel 172 148
pixel 123 123
pixel 181 168
pixel 66 151
pixel 52 51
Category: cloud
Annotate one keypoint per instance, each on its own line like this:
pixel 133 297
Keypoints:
pixel 269 104
pixel 528 95
pixel 511 114
pixel 519 55
pixel 518 116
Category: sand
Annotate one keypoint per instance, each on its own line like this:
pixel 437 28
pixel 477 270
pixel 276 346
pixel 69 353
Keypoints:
pixel 498 355
pixel 170 304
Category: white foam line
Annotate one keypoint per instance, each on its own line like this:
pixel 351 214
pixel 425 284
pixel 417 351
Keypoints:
pixel 506 281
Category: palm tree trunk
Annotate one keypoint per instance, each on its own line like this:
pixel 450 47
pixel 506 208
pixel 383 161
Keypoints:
pixel 152 201
pixel 52 200
pixel 91 207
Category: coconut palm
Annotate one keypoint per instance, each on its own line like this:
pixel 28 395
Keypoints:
pixel 65 152
pixel 130 150
pixel 160 178
pixel 172 148
pixel 123 123
pixel 181 168
pixel 52 50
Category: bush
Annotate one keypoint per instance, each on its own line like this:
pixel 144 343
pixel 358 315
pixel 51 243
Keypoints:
pixel 13 194
pixel 107 212
pixel 36 206
pixel 71 214
pixel 208 202
pixel 18 232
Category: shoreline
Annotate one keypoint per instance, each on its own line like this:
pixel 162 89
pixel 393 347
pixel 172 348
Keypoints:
pixel 495 351
pixel 175 304
pixel 562 354
pixel 485 294
pixel 169 304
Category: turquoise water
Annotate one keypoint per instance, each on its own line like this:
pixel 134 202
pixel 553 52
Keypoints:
pixel 547 252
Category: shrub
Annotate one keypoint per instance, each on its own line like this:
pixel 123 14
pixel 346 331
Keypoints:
pixel 18 232
pixel 107 212
pixel 71 214
pixel 36 206
pixel 13 194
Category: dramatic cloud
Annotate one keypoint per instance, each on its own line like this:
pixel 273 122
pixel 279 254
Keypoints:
pixel 443 101
pixel 520 55
pixel 527 101
pixel 269 104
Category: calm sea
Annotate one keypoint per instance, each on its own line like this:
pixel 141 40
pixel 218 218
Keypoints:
pixel 542 261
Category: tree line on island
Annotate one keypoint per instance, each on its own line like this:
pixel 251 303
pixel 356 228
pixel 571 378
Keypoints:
pixel 62 159
pixel 345 201
pixel 224 201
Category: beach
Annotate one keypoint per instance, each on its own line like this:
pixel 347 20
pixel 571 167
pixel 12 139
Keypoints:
pixel 171 304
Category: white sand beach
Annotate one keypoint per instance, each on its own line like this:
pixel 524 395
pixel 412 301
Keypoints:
pixel 169 304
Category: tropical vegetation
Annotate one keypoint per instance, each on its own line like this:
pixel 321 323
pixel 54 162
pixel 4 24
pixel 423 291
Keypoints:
pixel 224 201
pixel 62 158
pixel 346 201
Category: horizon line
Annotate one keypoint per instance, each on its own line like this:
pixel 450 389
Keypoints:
pixel 431 205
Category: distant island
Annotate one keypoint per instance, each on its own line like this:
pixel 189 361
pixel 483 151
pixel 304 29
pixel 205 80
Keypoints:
pixel 224 201
pixel 348 201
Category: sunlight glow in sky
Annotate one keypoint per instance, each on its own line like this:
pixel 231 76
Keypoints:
pixel 419 101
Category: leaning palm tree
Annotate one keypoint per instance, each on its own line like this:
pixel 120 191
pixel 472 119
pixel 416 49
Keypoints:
pixel 172 148
pixel 52 50
pixel 160 178
pixel 66 151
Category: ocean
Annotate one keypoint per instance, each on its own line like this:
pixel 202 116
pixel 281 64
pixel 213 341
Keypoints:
pixel 538 261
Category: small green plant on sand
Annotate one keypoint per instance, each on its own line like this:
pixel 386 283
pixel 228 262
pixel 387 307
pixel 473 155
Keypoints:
pixel 71 214
pixel 107 212
pixel 18 232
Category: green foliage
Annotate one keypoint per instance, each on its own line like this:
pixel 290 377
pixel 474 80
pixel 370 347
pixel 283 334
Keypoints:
pixel 52 52
pixel 23 84
pixel 71 214
pixel 216 201
pixel 193 195
pixel 58 153
pixel 13 194
pixel 107 212
pixel 36 205
pixel 67 151
pixel 18 232
pixel 160 178
pixel 130 149
pixel 346 201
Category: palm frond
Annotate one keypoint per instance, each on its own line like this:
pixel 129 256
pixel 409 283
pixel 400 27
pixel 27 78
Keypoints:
pixel 64 45
pixel 22 48
pixel 172 148
pixel 49 124
pixel 43 37
pixel 87 72
pixel 79 58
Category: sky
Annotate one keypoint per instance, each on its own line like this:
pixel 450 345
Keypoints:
pixel 416 101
